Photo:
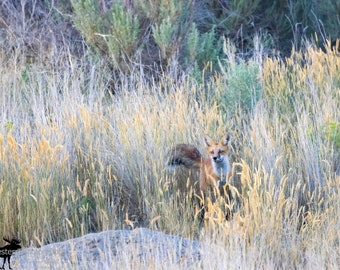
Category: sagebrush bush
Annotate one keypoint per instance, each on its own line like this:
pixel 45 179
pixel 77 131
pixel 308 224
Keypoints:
pixel 152 33
pixel 242 89
pixel 155 33
pixel 112 33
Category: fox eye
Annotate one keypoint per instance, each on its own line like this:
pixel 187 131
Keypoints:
pixel 220 151
pixel 212 152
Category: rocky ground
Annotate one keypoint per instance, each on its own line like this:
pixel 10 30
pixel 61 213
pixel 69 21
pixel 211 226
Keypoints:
pixel 122 249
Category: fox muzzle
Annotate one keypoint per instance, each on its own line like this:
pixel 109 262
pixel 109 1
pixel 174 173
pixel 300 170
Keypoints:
pixel 218 159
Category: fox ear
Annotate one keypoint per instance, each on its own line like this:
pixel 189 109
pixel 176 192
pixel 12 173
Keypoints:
pixel 208 141
pixel 226 139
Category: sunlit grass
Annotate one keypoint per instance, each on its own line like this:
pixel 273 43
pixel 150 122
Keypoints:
pixel 76 159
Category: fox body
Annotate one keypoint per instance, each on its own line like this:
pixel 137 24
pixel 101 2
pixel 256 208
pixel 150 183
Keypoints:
pixel 214 170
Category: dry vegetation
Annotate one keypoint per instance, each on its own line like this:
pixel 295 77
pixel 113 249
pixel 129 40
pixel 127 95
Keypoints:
pixel 76 159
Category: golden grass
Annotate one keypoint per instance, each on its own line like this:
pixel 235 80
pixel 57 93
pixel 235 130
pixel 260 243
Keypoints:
pixel 75 159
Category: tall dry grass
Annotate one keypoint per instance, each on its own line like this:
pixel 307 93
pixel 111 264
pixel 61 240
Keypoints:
pixel 75 159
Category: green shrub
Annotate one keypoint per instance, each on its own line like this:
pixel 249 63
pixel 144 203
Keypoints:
pixel 153 32
pixel 203 47
pixel 112 33
pixel 164 35
pixel 156 33
pixel 239 85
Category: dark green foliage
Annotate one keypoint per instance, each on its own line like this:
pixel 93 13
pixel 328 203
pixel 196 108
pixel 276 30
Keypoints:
pixel 192 30
pixel 156 33
pixel 151 32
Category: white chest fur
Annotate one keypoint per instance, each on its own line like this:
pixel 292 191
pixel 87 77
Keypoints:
pixel 221 169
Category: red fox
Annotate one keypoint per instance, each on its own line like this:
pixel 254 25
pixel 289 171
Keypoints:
pixel 215 171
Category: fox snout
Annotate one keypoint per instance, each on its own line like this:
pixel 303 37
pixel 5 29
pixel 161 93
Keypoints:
pixel 218 159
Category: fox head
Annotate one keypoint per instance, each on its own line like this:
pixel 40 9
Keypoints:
pixel 217 151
